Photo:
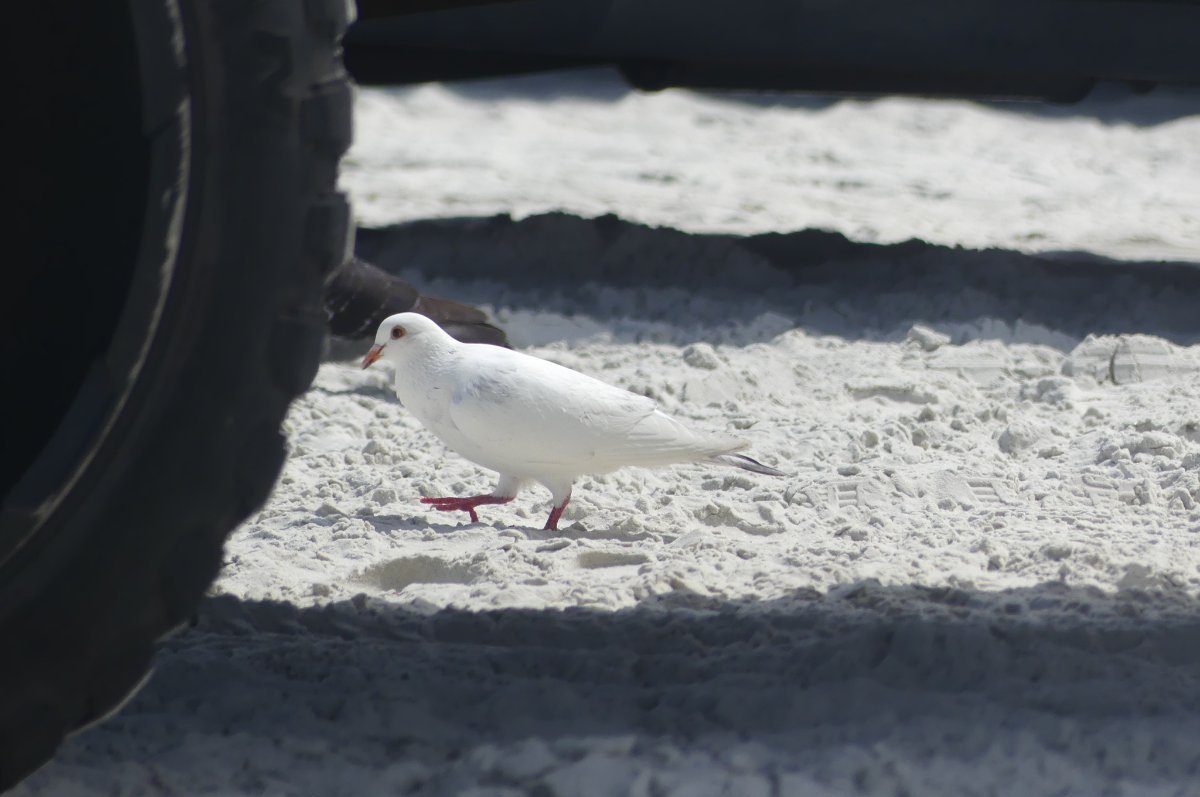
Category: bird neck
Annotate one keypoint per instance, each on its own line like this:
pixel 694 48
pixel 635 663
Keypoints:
pixel 433 353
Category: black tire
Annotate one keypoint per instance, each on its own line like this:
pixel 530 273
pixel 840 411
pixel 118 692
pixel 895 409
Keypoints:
pixel 156 429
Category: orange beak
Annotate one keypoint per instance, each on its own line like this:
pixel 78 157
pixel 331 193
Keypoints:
pixel 374 354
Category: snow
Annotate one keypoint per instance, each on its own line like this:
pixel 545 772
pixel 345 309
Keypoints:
pixel 979 577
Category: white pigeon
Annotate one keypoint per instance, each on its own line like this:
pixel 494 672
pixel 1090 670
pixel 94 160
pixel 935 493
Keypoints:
pixel 529 419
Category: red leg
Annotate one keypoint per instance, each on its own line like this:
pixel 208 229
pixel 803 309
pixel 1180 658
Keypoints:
pixel 555 514
pixel 466 504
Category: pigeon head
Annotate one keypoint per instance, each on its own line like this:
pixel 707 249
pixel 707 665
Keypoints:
pixel 401 334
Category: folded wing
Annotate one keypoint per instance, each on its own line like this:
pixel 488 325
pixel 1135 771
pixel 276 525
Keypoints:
pixel 550 418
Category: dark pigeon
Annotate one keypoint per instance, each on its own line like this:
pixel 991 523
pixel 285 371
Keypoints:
pixel 361 295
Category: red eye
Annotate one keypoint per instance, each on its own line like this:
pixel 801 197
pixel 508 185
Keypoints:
pixel 397 332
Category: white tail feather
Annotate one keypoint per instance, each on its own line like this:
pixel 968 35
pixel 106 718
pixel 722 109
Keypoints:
pixel 746 463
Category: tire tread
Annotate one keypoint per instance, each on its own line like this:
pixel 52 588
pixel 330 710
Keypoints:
pixel 75 650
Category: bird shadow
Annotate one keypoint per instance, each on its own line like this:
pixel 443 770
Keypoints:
pixel 390 524
pixel 578 531
pixel 852 678
pixel 393 524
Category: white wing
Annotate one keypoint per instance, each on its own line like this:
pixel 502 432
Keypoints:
pixel 544 417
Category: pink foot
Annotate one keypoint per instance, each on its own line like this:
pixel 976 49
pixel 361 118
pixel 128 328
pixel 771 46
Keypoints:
pixel 467 504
